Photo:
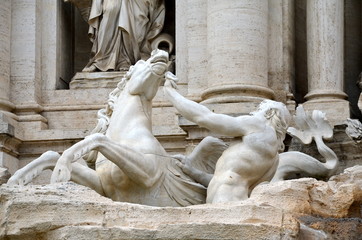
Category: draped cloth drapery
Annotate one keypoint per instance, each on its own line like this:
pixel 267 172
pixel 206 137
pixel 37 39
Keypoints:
pixel 122 30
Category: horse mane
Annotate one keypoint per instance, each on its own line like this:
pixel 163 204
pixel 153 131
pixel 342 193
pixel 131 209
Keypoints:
pixel 104 116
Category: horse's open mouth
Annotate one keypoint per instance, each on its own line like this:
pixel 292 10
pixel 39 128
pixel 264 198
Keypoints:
pixel 160 59
pixel 159 67
pixel 159 62
pixel 159 56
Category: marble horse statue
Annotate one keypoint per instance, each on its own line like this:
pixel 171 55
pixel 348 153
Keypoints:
pixel 130 165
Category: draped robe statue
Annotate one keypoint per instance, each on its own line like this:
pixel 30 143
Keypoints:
pixel 121 32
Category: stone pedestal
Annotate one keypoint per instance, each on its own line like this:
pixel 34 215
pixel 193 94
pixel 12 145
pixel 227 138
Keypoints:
pixel 83 80
pixel 325 31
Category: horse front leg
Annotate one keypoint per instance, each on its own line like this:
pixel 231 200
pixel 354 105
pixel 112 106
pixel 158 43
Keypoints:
pixel 26 174
pixel 63 167
pixel 48 160
pixel 134 164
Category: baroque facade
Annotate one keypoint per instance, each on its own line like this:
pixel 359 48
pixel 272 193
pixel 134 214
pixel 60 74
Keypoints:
pixel 229 55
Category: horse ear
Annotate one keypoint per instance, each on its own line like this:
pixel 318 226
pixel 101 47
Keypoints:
pixel 129 72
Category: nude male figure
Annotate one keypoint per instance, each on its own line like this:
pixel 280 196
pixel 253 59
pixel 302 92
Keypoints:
pixel 244 164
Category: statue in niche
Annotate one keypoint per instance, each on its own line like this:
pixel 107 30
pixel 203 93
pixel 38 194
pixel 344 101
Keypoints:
pixel 259 156
pixel 126 162
pixel 121 31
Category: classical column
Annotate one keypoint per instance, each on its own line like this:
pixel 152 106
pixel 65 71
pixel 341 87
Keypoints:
pixel 5 27
pixel 237 41
pixel 325 22
pixel 191 47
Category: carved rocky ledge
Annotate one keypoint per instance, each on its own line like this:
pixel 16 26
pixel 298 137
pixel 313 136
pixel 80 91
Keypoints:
pixel 282 210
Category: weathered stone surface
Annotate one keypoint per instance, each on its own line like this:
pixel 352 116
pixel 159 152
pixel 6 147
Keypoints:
pixel 69 211
pixel 333 228
pixel 335 198
pixel 274 211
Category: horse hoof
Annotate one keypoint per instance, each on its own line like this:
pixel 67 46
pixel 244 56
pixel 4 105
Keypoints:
pixel 60 174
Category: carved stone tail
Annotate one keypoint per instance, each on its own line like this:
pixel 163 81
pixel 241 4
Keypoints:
pixel 309 127
pixel 331 159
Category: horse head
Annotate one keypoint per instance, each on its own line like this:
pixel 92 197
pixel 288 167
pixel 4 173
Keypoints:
pixel 146 76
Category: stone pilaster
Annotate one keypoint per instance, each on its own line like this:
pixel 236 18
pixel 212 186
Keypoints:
pixel 26 62
pixel 5 32
pixel 8 143
pixel 281 50
pixel 237 41
pixel 325 25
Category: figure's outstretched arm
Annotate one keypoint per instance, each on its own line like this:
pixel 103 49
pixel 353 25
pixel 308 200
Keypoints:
pixel 199 114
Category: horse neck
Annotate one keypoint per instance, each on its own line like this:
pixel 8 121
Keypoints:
pixel 133 110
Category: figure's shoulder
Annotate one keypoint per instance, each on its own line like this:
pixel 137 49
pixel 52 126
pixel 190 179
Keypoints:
pixel 251 123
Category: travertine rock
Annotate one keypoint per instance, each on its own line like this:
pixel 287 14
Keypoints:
pixel 309 196
pixel 70 211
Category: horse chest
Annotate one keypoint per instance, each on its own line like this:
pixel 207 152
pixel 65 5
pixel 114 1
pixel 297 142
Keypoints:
pixel 119 187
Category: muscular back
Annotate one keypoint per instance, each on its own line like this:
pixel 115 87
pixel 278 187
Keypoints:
pixel 244 165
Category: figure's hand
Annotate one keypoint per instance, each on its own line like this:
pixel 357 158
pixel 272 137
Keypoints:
pixel 171 80
pixel 184 164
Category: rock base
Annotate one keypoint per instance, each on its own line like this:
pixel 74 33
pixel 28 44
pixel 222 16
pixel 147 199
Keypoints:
pixel 274 211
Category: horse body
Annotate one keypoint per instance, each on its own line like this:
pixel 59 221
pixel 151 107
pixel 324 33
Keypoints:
pixel 131 125
pixel 131 165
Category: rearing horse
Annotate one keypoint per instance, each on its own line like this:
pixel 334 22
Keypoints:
pixel 132 165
